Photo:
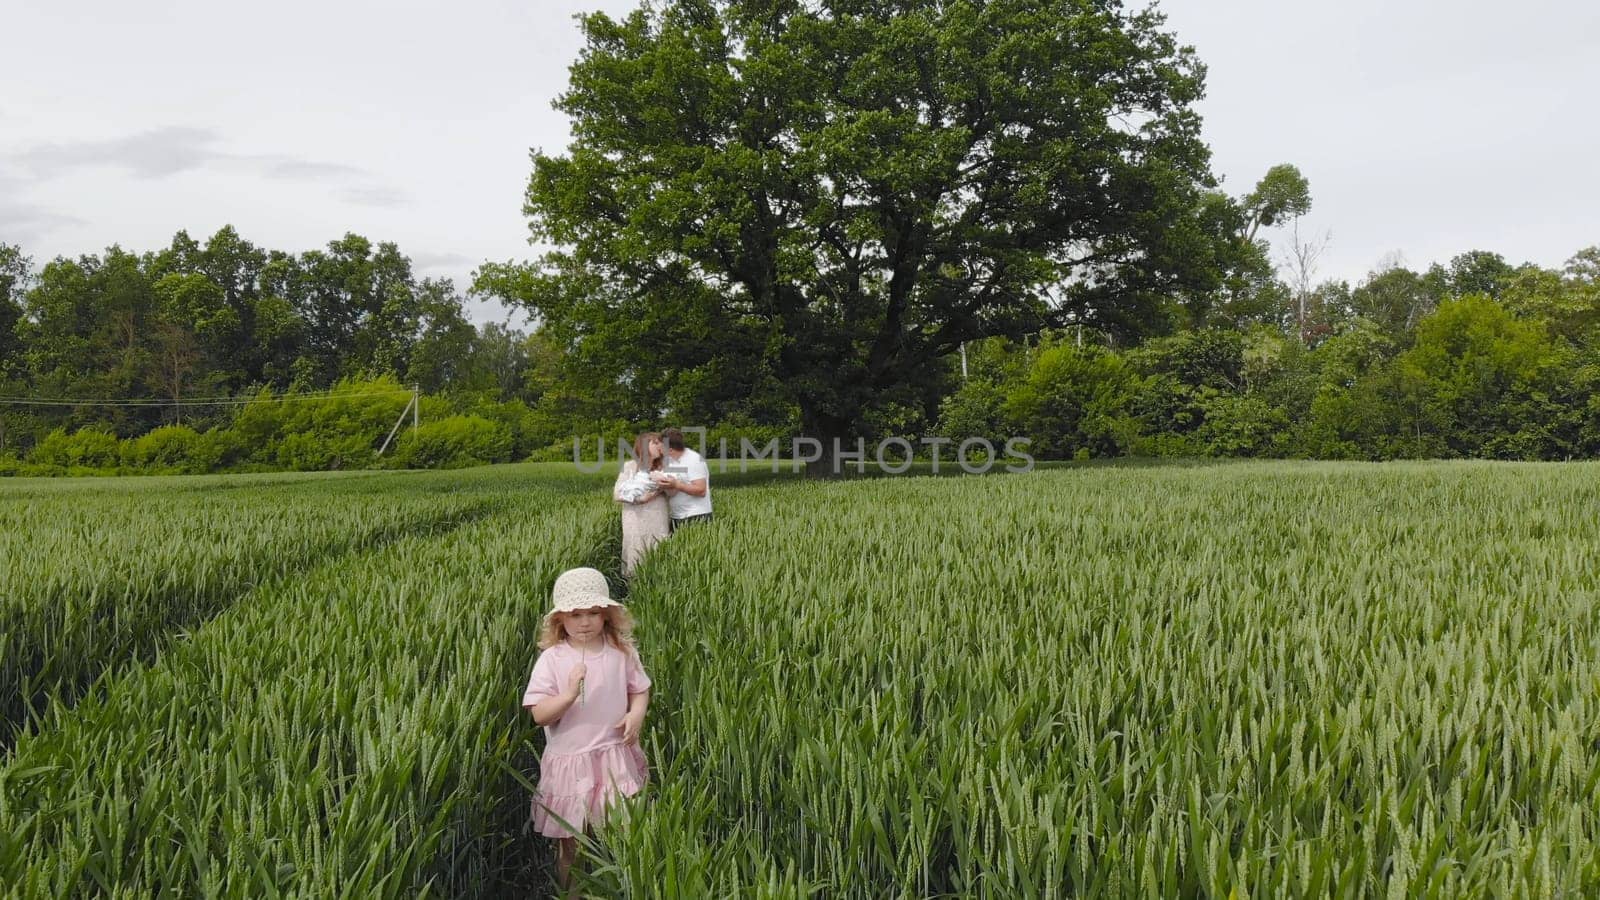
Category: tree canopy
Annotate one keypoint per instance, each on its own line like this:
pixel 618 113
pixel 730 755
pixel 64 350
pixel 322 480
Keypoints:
pixel 814 203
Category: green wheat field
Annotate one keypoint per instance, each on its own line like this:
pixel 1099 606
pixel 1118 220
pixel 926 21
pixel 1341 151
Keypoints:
pixel 1225 680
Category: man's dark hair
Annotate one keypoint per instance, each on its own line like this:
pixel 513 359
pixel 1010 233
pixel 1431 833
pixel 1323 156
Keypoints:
pixel 674 438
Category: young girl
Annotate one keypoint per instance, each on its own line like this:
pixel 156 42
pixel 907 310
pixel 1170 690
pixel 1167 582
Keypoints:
pixel 590 692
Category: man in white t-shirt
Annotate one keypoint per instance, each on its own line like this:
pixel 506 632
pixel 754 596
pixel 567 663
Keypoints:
pixel 686 481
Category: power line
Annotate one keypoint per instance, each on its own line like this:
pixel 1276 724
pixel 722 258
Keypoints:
pixel 198 401
pixel 325 392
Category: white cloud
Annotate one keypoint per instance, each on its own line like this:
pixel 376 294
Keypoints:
pixel 172 150
pixel 429 260
pixel 24 224
pixel 149 154
pixel 374 196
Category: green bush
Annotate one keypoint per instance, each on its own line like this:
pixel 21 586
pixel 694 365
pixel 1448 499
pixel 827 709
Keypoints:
pixel 1243 425
pixel 1167 444
pixel 454 442
pixel 1163 404
pixel 519 420
pixel 310 451
pixel 335 432
pixel 740 428
pixel 87 448
pixel 219 449
pixel 167 447
pixel 1209 357
pixel 977 409
pixel 258 427
pixel 1482 379
pixel 1073 397
pixel 608 433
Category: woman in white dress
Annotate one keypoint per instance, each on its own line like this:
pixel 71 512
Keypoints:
pixel 645 515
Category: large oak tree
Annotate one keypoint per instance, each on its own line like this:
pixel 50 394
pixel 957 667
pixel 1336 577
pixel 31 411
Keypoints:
pixel 824 199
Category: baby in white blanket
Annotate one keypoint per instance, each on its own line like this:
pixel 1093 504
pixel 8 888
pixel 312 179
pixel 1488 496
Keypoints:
pixel 637 488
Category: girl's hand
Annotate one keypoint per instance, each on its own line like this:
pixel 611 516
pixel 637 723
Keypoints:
pixel 575 680
pixel 631 724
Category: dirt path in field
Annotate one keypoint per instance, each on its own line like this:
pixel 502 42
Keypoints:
pixel 530 868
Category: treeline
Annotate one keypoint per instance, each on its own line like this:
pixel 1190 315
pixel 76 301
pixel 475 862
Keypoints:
pixel 337 429
pixel 319 352
pixel 1475 359
pixel 346 331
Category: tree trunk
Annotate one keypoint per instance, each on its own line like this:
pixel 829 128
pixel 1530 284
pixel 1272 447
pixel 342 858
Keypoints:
pixel 825 428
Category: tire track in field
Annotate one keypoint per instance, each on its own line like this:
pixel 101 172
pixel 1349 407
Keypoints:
pixel 37 684
pixel 478 845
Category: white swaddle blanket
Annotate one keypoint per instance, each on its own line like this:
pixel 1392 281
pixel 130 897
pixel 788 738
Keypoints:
pixel 636 488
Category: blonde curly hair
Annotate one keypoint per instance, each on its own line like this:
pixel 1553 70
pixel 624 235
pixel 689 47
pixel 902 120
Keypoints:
pixel 618 629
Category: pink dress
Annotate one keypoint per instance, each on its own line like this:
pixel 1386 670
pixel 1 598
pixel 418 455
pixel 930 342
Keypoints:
pixel 585 764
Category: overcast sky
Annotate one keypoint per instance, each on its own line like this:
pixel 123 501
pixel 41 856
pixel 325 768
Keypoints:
pixel 1425 128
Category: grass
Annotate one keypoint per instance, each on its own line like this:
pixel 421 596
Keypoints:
pixel 1245 679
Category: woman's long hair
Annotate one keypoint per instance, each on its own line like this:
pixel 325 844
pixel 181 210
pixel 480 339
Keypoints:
pixel 641 451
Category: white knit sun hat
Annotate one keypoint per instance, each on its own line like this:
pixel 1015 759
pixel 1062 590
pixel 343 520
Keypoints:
pixel 579 589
